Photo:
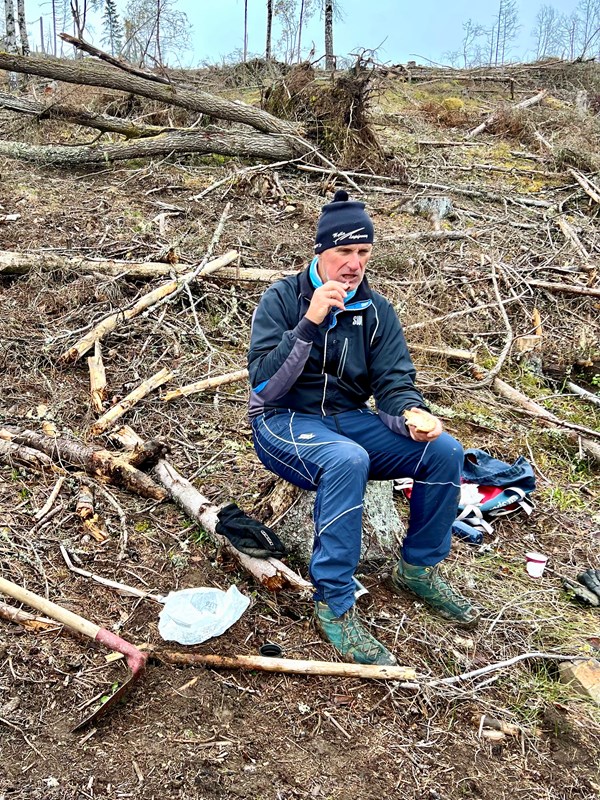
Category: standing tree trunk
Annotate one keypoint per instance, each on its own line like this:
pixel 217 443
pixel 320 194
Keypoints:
pixel 22 27
pixel 300 21
pixel 245 31
pixel 269 29
pixel 10 38
pixel 54 39
pixel 329 57
pixel 11 33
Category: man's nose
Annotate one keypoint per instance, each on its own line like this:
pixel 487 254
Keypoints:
pixel 354 261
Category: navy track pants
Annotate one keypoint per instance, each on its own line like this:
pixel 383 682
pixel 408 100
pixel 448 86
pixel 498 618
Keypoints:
pixel 335 456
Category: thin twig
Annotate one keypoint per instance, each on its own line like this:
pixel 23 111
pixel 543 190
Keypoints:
pixel 465 676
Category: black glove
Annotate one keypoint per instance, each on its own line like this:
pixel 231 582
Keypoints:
pixel 591 580
pixel 248 535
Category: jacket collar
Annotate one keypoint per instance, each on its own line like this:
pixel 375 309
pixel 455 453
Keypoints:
pixel 361 294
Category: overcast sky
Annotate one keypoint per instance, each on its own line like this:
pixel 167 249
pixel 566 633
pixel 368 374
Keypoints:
pixel 426 29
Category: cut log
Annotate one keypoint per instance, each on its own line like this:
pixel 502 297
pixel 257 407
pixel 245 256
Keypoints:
pixel 93 73
pixel 12 263
pixel 116 412
pixel 206 384
pixel 97 379
pixel 94 460
pixel 290 666
pixel 271 572
pixel 84 508
pixel 146 301
pixel 291 509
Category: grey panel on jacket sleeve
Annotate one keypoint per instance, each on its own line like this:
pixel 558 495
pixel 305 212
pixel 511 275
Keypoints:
pixel 394 423
pixel 288 373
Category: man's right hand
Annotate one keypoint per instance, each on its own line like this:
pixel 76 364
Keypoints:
pixel 330 295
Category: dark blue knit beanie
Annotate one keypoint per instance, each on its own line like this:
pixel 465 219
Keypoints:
pixel 343 222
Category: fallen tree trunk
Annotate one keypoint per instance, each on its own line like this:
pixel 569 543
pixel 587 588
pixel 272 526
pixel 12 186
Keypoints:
pixel 271 572
pixel 79 116
pixel 12 263
pixel 94 460
pixel 93 73
pixel 208 140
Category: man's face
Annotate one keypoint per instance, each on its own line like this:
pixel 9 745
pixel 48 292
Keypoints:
pixel 345 264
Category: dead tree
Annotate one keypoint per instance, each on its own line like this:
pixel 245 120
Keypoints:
pixel 208 140
pixel 93 73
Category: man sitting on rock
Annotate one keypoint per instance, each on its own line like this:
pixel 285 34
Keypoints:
pixel 322 343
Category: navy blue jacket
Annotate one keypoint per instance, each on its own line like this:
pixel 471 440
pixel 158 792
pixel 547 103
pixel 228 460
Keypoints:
pixel 332 367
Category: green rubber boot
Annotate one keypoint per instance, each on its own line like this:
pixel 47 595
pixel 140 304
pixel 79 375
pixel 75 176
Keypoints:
pixel 350 638
pixel 427 584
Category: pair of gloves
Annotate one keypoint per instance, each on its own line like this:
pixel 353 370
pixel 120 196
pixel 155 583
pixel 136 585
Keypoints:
pixel 587 588
pixel 248 535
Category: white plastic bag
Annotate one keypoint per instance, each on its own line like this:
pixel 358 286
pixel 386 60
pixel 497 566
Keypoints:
pixel 192 616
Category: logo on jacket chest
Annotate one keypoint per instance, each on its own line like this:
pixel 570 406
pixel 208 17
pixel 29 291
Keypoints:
pixel 357 320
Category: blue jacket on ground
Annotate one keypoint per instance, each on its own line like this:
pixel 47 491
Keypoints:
pixel 333 367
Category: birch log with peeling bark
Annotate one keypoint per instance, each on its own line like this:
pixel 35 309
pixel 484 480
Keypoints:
pixel 94 460
pixel 146 301
pixel 290 666
pixel 531 101
pixel 97 379
pixel 272 573
pixel 93 73
pixel 123 406
pixel 12 263
pixel 206 384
